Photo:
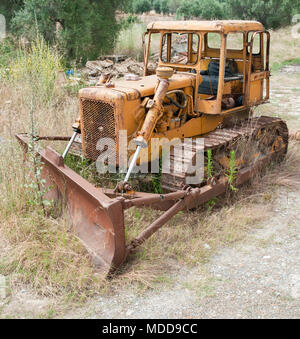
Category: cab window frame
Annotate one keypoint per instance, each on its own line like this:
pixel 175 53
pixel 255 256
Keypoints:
pixel 164 37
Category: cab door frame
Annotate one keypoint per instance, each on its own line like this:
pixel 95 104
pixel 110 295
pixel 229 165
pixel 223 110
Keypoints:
pixel 255 79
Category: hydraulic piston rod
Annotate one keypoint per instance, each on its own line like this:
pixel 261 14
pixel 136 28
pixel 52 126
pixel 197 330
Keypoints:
pixel 77 130
pixel 153 115
pixel 133 162
pixel 69 144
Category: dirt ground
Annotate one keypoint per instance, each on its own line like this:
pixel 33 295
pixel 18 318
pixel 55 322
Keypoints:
pixel 258 277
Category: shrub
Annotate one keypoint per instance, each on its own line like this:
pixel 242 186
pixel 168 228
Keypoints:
pixel 128 22
pixel 36 70
pixel 7 52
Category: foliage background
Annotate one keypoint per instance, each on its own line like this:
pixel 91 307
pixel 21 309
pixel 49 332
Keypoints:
pixel 80 29
pixel 84 29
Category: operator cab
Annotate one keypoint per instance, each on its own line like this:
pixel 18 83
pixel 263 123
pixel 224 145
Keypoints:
pixel 230 60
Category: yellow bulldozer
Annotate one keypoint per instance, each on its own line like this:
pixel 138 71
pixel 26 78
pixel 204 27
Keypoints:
pixel 210 75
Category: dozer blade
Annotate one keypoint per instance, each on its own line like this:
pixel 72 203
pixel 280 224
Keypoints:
pixel 96 219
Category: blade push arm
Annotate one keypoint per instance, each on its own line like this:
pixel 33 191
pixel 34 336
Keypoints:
pixel 154 114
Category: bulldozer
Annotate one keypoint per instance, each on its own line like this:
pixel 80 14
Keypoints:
pixel 209 77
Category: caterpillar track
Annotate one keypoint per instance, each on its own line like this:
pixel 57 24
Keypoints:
pixel 250 141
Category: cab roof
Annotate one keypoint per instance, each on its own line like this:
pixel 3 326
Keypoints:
pixel 224 26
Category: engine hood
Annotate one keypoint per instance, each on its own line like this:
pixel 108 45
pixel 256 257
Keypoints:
pixel 145 86
pixel 134 90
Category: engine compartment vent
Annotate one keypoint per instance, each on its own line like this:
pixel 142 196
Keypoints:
pixel 98 121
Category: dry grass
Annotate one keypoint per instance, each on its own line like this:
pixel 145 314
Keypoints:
pixel 287 174
pixel 283 46
pixel 191 238
pixel 183 239
pixel 130 41
pixel 41 252
pixel 46 256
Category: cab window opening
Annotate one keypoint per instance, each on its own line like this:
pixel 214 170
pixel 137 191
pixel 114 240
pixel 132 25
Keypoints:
pixel 180 48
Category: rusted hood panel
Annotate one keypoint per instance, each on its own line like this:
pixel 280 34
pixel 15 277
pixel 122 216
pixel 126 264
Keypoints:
pixel 134 90
pixel 146 85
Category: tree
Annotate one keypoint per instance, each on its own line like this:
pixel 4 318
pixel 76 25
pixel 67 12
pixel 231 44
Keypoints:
pixel 208 9
pixel 272 13
pixel 164 7
pixel 80 28
pixel 156 6
pixel 9 7
pixel 185 9
pixel 141 6
pixel 173 5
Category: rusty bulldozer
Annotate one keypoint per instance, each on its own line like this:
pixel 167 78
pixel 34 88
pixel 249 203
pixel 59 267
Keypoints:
pixel 203 87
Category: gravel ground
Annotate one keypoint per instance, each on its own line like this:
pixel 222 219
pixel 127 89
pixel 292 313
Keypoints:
pixel 257 278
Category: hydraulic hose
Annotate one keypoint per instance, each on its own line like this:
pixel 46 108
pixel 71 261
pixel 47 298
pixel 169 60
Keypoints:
pixel 177 104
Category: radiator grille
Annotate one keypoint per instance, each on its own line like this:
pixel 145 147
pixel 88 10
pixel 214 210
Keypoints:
pixel 98 122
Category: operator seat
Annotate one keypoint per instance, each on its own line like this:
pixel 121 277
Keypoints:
pixel 210 77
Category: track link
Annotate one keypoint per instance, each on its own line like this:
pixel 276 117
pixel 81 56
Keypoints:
pixel 250 140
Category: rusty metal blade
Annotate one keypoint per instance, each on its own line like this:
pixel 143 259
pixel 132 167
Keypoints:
pixel 96 219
